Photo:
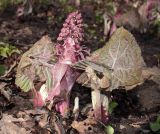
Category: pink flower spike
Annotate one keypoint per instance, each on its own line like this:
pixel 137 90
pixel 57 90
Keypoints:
pixel 68 51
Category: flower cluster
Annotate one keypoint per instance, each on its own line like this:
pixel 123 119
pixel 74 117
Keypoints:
pixel 72 28
pixel 71 35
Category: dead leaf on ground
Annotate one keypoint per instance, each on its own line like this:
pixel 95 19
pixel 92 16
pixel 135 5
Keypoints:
pixel 26 32
pixel 86 125
pixel 8 125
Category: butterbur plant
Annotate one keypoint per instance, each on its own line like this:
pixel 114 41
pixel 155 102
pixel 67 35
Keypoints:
pixel 118 64
pixel 68 52
pixel 59 76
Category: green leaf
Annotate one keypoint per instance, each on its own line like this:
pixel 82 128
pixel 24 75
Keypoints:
pixel 112 106
pixel 7 49
pixel 2 69
pixel 155 126
pixel 99 17
pixel 109 130
pixel 158 119
pixel 110 7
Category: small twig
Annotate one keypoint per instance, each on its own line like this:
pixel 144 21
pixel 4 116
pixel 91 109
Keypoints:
pixel 135 124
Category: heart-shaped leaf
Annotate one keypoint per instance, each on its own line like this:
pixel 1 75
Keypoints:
pixel 34 65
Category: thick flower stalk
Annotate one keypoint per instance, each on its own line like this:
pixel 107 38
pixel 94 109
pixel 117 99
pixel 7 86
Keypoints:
pixel 68 52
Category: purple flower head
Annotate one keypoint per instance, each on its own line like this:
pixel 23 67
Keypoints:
pixel 72 28
pixel 71 34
